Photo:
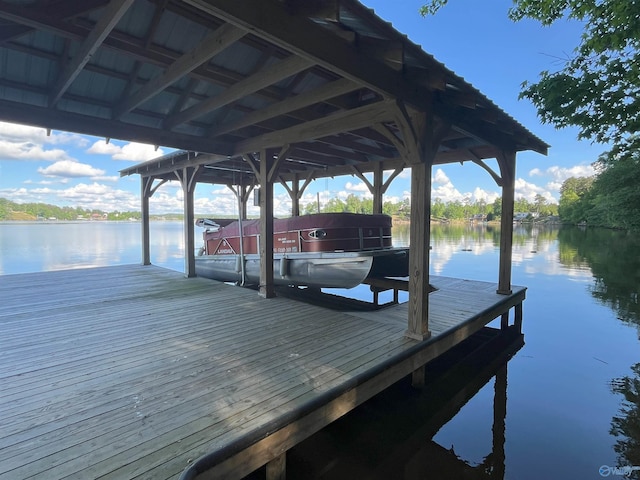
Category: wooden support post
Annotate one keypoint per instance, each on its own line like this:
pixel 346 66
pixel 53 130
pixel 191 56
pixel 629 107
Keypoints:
pixel 295 196
pixel 277 468
pixel 266 227
pixel 242 203
pixel 187 180
pixel 507 162
pixel 377 188
pixel 504 321
pixel 145 195
pixel 418 378
pixel 268 172
pixel 419 239
pixel 517 322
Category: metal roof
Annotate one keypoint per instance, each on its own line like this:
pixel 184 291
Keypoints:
pixel 224 78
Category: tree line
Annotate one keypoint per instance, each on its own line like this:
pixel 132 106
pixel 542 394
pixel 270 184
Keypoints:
pixel 596 91
pixel 611 198
pixel 455 210
pixel 43 211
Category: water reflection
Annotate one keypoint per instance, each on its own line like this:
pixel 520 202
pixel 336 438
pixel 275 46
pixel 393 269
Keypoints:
pixel 392 435
pixel 613 259
pixel 626 425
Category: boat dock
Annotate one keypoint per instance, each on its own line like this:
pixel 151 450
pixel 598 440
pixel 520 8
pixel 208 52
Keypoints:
pixel 138 372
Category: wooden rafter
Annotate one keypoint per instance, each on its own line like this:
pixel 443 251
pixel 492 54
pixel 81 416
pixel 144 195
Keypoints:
pixel 109 18
pixel 211 45
pixel 61 12
pixel 271 21
pixel 74 122
pixel 320 94
pixel 249 85
pixel 327 149
pixel 329 125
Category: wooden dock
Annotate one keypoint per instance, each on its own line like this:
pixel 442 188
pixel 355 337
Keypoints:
pixel 138 372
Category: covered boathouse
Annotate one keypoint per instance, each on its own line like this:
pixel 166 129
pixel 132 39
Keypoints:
pixel 252 93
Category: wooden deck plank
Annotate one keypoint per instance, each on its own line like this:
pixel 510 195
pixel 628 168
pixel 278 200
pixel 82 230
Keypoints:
pixel 129 371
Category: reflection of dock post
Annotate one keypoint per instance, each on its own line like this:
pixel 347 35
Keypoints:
pixel 499 420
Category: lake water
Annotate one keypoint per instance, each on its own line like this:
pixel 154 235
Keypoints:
pixel 573 390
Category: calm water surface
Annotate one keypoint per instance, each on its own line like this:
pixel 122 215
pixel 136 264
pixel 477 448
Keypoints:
pixel 573 390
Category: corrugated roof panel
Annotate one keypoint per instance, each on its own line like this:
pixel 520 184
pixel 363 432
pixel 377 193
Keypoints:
pixel 255 102
pixel 148 71
pixel 84 108
pixel 239 58
pixel 96 85
pixel 143 120
pixel 179 34
pixel 207 89
pixel 190 129
pixel 134 22
pixel 310 81
pixel 161 103
pixel 23 96
pixel 42 41
pixel 112 60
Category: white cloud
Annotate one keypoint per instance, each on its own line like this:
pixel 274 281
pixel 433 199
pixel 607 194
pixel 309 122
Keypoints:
pixel 560 174
pixel 480 194
pixel 132 151
pixel 440 178
pixel 101 147
pixel 94 195
pixel 15 133
pixel 447 193
pixel 27 151
pixel 529 191
pixel 138 152
pixel 69 168
pixel 356 187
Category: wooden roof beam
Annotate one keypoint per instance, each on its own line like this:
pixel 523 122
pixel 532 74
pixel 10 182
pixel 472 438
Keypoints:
pixel 323 9
pixel 61 11
pixel 99 127
pixel 108 20
pixel 214 43
pixel 432 79
pixel 350 143
pixel 271 21
pixel 327 149
pixel 329 125
pixel 291 104
pixel 249 85
pixel 391 53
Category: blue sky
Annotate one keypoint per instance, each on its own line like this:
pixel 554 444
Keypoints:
pixel 474 39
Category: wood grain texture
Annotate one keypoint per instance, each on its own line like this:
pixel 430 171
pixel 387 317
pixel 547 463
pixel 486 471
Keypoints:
pixel 136 371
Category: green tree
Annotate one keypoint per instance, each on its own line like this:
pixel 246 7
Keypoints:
pixel 540 202
pixel 496 207
pixel 596 90
pixel 615 196
pixel 335 205
pixel 574 199
pixel 438 208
